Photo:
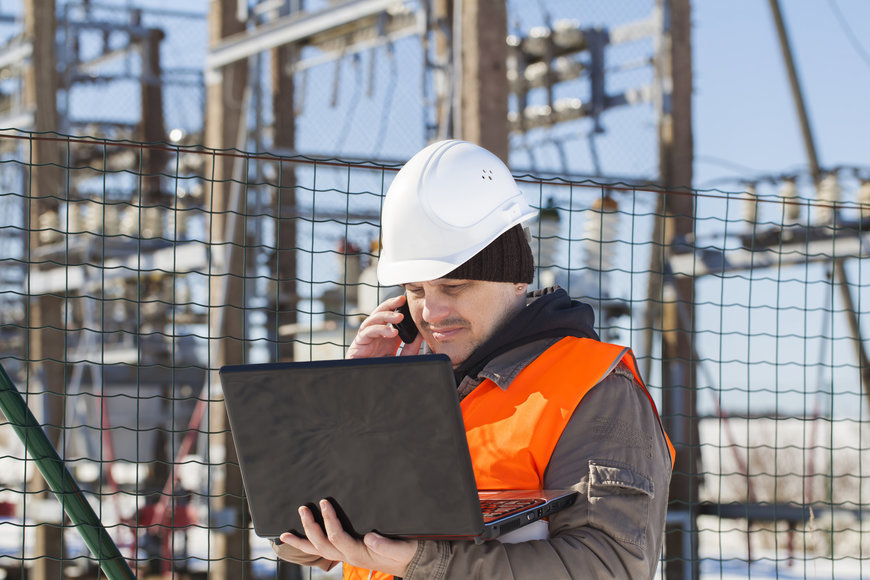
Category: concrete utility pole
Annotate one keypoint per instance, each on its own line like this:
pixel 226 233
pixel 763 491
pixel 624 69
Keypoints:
pixel 675 219
pixel 484 90
pixel 225 126
pixel 45 187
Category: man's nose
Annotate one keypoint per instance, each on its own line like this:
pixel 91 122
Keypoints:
pixel 434 310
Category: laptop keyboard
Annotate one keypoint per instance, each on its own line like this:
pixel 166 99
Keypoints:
pixel 494 509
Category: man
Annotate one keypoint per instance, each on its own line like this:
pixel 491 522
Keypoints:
pixel 544 403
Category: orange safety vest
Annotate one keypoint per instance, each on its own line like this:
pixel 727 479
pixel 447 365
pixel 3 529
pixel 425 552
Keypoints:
pixel 512 433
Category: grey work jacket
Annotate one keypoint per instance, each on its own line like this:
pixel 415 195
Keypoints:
pixel 614 453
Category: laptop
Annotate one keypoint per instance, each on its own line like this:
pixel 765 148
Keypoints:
pixel 381 438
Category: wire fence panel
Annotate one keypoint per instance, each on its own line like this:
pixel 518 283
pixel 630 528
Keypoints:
pixel 124 289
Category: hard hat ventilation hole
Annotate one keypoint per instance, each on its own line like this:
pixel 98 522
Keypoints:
pixel 487 174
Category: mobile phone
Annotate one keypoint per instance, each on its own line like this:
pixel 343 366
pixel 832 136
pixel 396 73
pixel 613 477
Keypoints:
pixel 407 329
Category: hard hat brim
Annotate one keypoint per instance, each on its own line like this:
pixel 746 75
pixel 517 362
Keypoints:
pixel 408 271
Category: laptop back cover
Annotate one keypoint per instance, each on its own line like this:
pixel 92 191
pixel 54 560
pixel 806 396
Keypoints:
pixel 382 438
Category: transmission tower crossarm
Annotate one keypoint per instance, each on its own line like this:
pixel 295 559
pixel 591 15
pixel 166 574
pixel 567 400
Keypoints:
pixel 289 29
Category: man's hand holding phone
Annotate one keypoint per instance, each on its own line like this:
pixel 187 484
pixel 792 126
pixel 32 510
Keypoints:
pixel 408 331
pixel 379 335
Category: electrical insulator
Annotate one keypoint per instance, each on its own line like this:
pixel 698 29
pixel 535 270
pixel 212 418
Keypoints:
pixel 93 216
pixel 602 233
pixel 349 261
pixel 130 221
pixel 568 35
pixel 73 218
pixel 152 222
pixel 565 37
pixel 750 208
pixel 176 224
pixel 49 223
pixel 546 234
pixel 540 74
pixel 569 109
pixel 829 195
pixel 532 117
pixel 789 196
pixel 112 219
pixel 829 188
pixel 182 295
pixel 536 44
pixel 864 199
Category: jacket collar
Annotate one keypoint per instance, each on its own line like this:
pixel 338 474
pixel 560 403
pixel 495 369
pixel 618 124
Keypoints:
pixel 550 314
pixel 503 369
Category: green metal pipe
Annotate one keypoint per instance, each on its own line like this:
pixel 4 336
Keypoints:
pixel 61 481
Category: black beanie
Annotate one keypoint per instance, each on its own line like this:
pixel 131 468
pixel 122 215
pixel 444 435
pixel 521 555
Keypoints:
pixel 508 258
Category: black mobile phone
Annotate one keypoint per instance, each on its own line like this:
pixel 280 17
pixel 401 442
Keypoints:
pixel 407 329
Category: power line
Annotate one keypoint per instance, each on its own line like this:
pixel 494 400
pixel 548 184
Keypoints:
pixel 850 35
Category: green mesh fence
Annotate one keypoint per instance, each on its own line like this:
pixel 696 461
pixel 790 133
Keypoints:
pixel 129 273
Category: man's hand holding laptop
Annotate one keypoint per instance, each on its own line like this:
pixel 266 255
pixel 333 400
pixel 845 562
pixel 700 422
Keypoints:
pixel 334 545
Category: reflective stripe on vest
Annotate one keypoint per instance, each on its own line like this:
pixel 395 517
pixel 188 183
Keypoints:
pixel 512 433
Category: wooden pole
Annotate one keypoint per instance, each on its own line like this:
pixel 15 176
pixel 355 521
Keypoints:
pixel 45 187
pixel 484 82
pixel 151 128
pixel 676 220
pixel 443 33
pixel 284 259
pixel 225 125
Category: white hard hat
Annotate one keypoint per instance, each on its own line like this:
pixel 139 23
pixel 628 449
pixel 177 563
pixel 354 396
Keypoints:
pixel 446 204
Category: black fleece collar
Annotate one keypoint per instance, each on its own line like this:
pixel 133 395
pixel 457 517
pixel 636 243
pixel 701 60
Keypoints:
pixel 549 313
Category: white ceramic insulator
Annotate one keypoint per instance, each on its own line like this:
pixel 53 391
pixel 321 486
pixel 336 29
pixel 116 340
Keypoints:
pixel 750 208
pixel 789 194
pixel 602 233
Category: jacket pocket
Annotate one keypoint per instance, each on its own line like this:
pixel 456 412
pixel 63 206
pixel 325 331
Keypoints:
pixel 619 500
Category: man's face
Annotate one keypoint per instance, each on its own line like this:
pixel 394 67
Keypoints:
pixel 457 316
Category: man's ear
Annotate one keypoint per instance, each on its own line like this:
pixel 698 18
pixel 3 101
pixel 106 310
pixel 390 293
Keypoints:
pixel 521 289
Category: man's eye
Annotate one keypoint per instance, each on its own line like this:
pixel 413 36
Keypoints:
pixel 454 288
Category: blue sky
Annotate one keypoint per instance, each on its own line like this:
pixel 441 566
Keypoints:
pixel 745 121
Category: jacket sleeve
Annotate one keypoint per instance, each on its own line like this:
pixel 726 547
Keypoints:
pixel 613 452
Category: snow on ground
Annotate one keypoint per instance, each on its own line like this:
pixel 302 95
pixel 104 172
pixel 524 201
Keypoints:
pixel 726 567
